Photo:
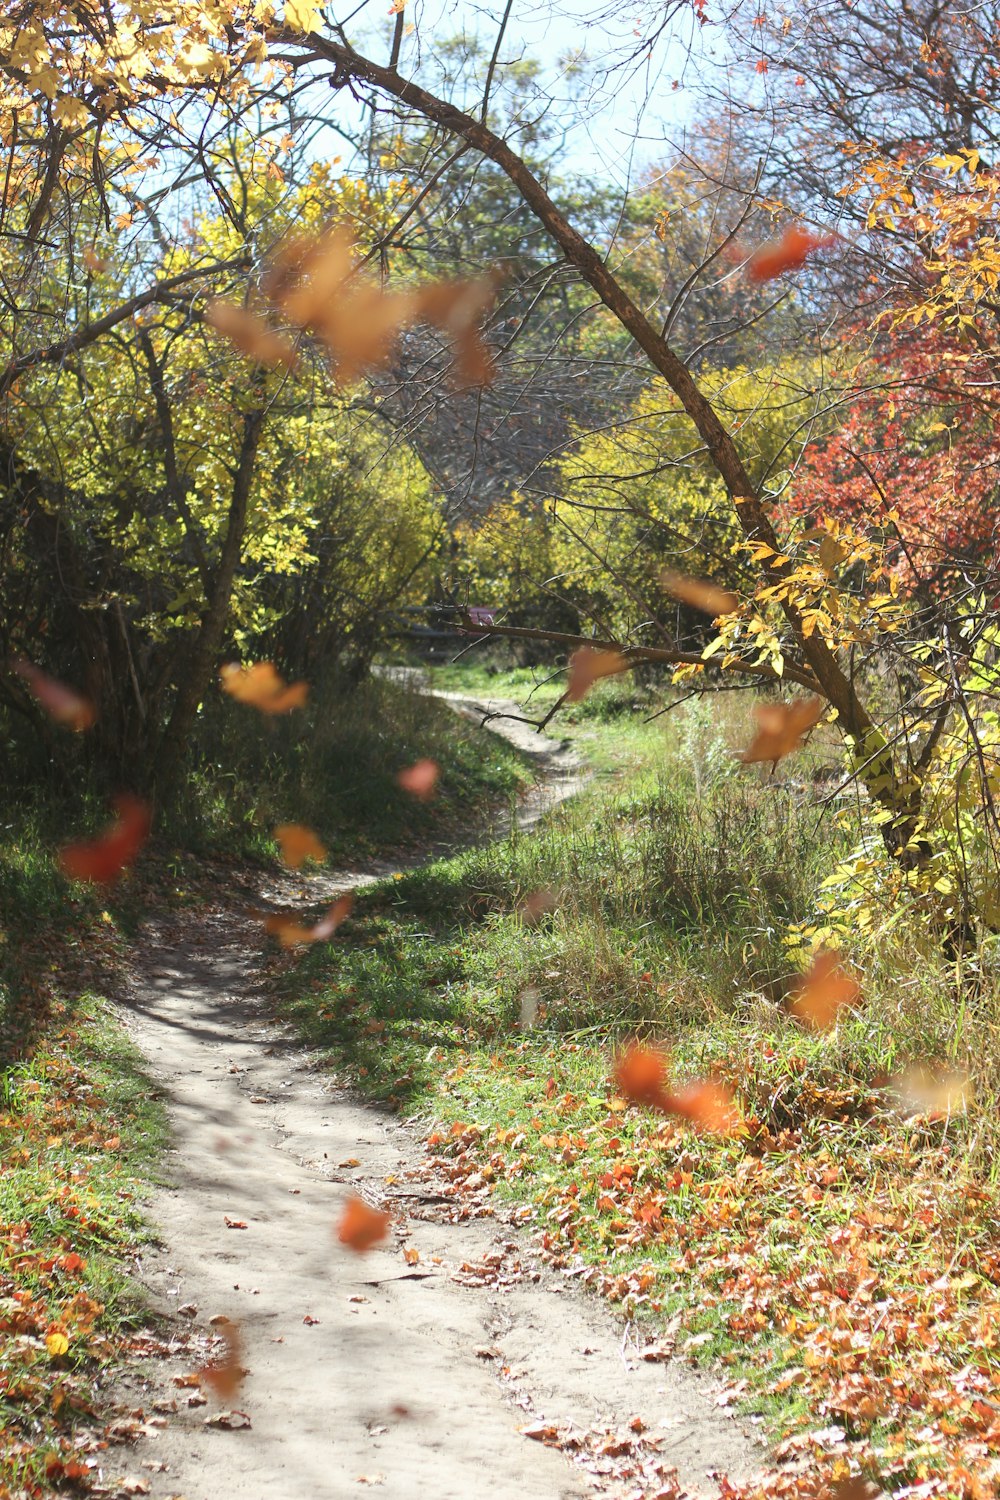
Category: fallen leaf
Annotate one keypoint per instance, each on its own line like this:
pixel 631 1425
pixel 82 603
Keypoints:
pixel 104 859
pixel 411 1256
pixel 824 992
pixel 789 253
pixel 235 1223
pixel 699 593
pixel 290 932
pixel 60 702
pixel 231 1420
pixel 262 687
pixel 420 779
pixel 541 1432
pixel 780 727
pixel 587 666
pixel 310 1321
pixel 298 844
pixel 57 1344
pixel 360 1226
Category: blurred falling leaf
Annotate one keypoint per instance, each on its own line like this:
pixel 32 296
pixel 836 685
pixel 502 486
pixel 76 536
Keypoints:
pixel 225 1375
pixel 106 857
pixel 926 1088
pixel 824 992
pixel 298 844
pixel 262 687
pixel 62 703
pixel 250 334
pixel 641 1073
pixel 587 666
pixel 780 727
pixel 93 261
pixel 699 593
pixel 528 1000
pixel 536 906
pixel 290 932
pixel 316 284
pixel 360 1226
pixel 789 253
pixel 456 307
pixel 420 779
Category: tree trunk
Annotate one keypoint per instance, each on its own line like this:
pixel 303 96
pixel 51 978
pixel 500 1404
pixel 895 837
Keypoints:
pixel 869 750
pixel 200 665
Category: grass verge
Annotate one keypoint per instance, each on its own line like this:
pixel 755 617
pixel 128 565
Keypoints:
pixel 840 1258
pixel 79 1137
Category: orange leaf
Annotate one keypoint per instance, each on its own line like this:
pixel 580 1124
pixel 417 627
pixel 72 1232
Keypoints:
pixel 93 261
pixel 699 592
pixel 250 334
pixel 225 1375
pixel 708 1105
pixel 59 701
pixel 456 307
pixel 789 253
pixel 104 859
pixel 298 844
pixel 824 992
pixel 411 1256
pixel 262 687
pixel 641 1076
pixel 289 932
pixel 781 727
pixel 420 779
pixel 362 1227
pixel 587 665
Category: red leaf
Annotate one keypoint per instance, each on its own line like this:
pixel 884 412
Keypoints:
pixel 225 1375
pixel 789 253
pixel 104 859
pixel 641 1076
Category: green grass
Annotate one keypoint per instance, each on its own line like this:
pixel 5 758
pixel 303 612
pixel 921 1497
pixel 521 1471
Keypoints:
pixel 80 1133
pixel 333 767
pixel 679 880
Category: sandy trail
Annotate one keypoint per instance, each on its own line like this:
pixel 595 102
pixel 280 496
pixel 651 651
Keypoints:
pixel 365 1371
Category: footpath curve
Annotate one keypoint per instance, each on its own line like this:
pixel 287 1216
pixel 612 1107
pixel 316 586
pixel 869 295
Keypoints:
pixel 413 1377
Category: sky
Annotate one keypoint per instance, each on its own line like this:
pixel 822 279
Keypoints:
pixel 615 124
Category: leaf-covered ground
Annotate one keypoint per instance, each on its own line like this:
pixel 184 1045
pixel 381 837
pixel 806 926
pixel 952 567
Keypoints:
pixel 840 1255
pixel 78 1134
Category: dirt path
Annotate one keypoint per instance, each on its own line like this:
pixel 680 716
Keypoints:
pixel 366 1370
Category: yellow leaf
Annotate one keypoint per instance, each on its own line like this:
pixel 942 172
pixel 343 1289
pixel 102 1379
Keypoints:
pixel 301 15
pixel 57 1344
pixel 71 113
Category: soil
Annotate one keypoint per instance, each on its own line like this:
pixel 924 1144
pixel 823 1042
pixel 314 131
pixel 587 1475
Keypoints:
pixel 464 1367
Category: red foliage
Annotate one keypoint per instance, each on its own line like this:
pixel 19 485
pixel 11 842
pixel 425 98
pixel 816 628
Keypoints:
pixel 915 461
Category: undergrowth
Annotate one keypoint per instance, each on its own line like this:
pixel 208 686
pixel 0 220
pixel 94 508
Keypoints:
pixel 840 1256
